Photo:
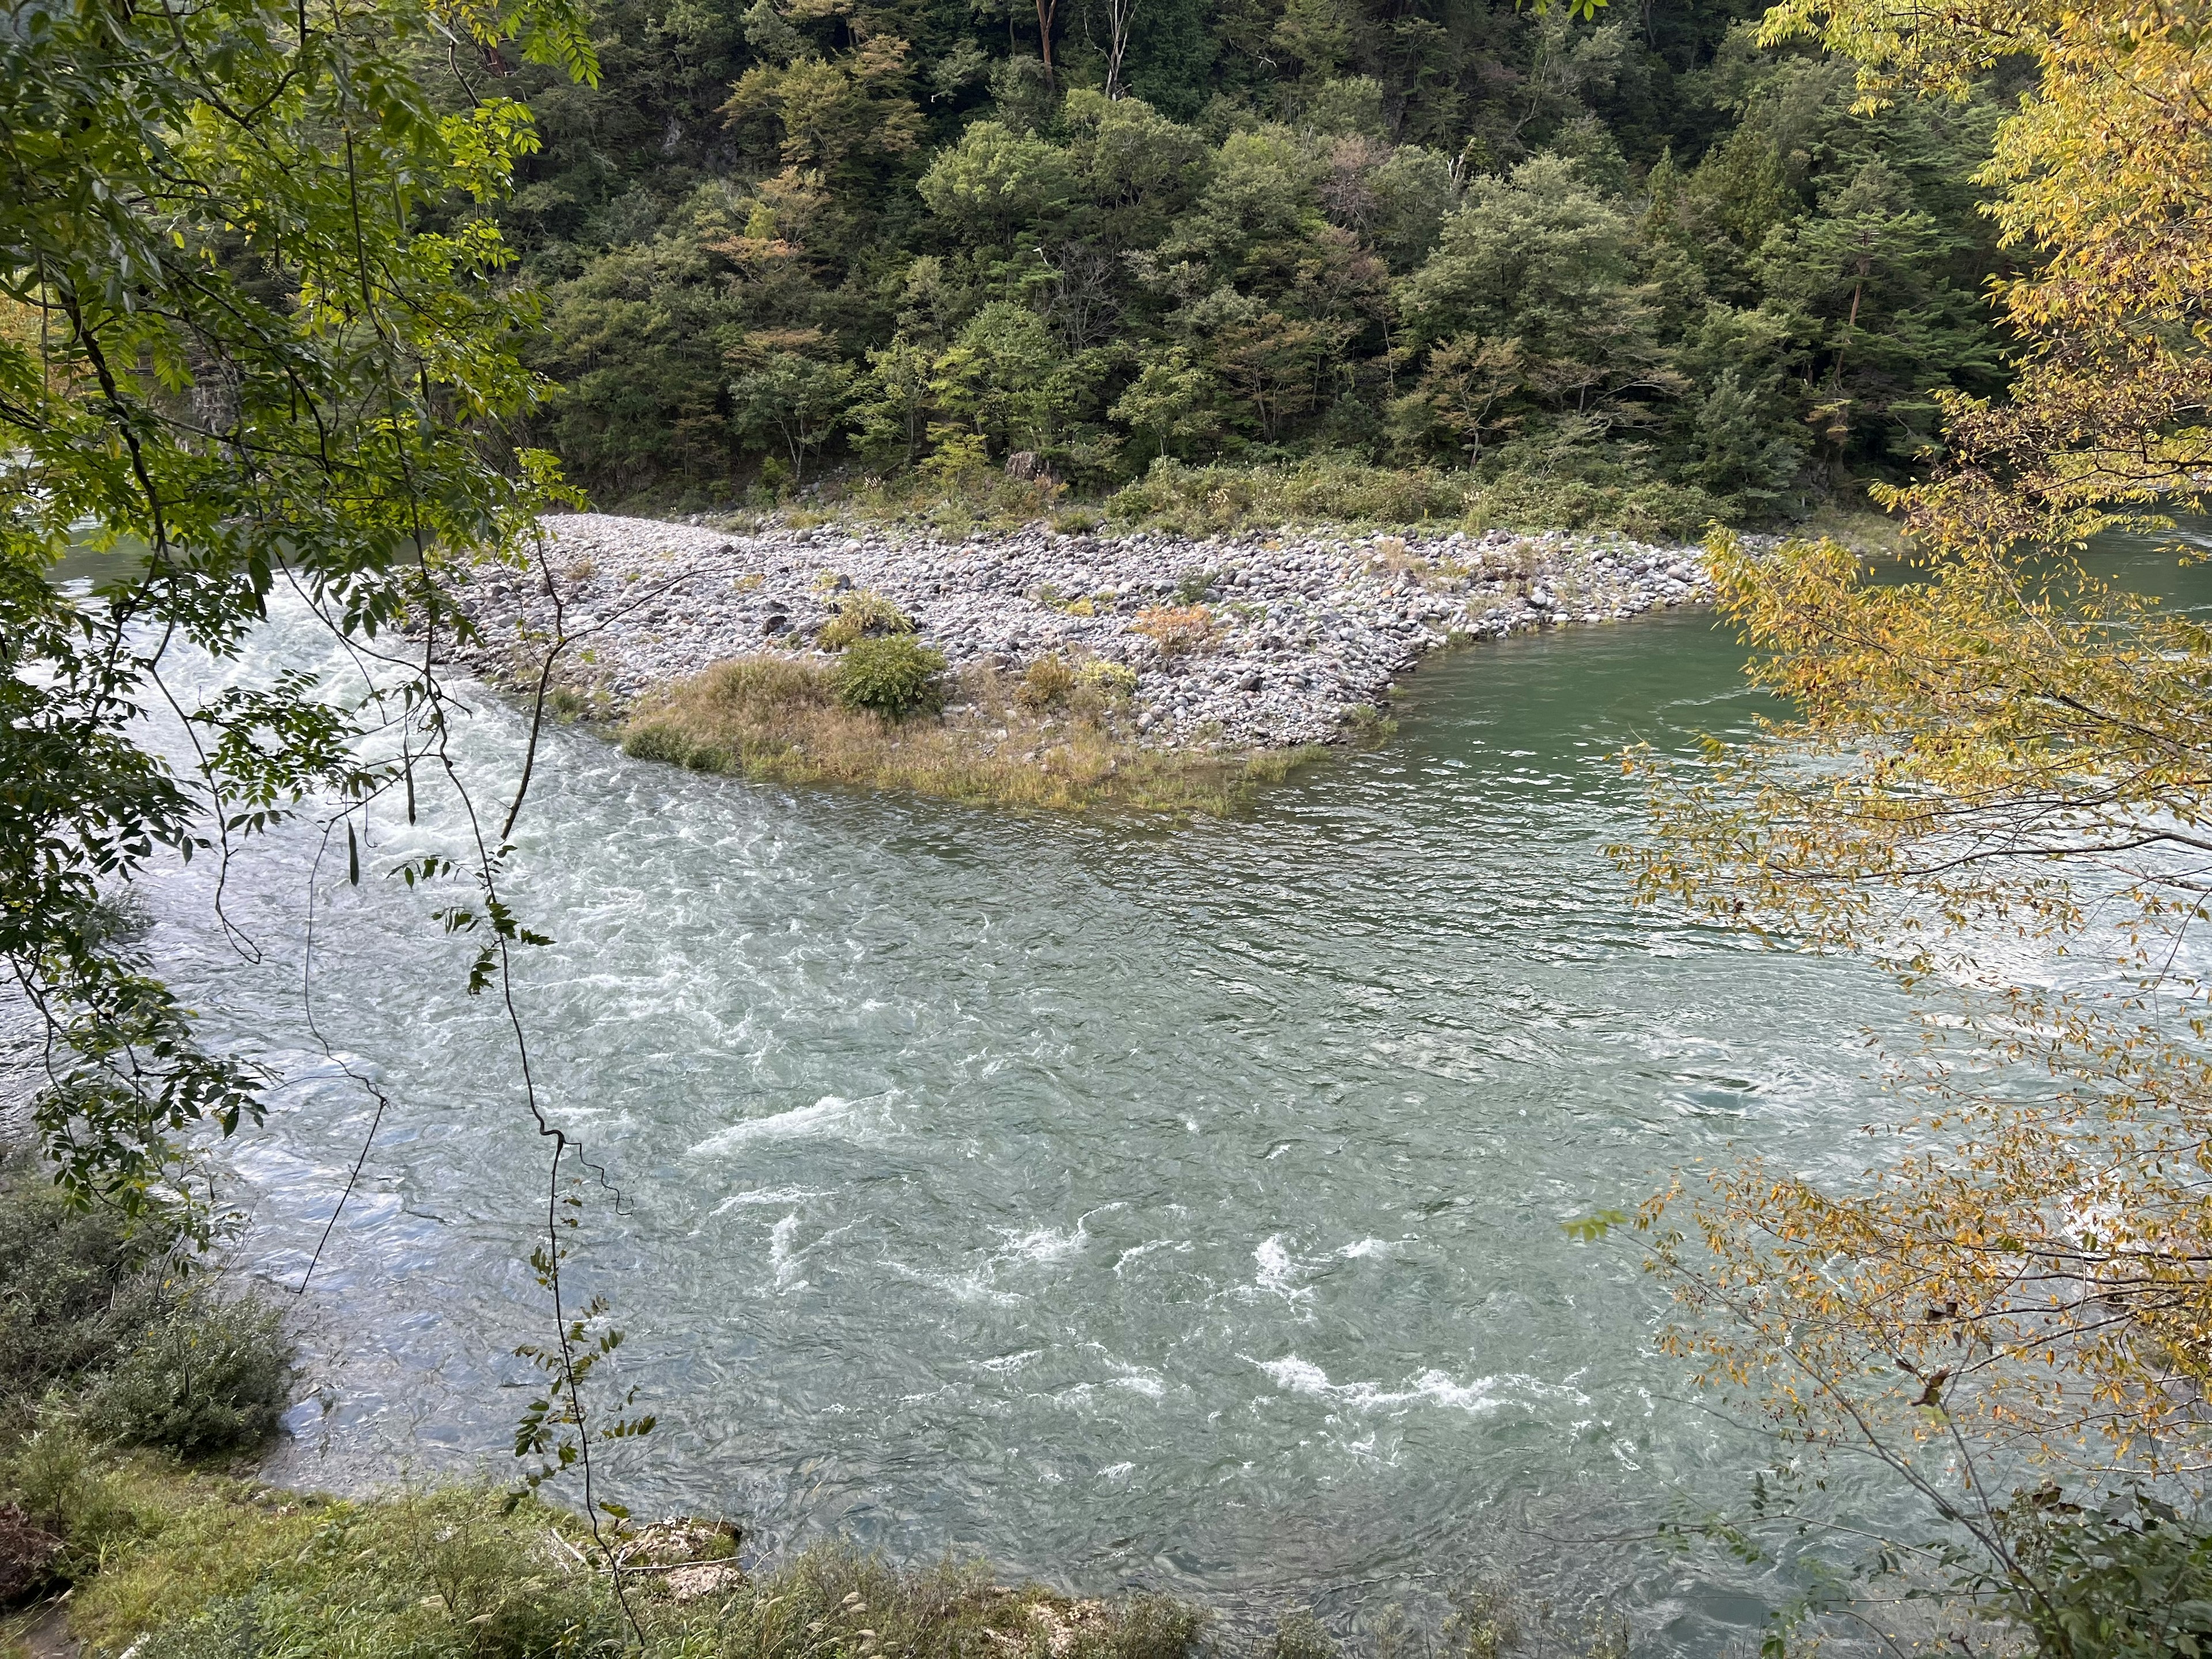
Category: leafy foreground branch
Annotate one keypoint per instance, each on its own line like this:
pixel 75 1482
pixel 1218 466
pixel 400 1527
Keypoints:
pixel 254 333
pixel 1996 781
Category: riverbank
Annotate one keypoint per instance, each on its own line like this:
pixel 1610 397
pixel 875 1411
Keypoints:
pixel 193 1564
pixel 1220 644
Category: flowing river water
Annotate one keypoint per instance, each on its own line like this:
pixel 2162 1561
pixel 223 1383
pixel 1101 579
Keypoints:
pixel 1131 1204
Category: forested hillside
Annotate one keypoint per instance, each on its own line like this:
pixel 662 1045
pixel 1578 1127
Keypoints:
pixel 1628 266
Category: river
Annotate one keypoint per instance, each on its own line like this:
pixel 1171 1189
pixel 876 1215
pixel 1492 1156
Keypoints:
pixel 1130 1204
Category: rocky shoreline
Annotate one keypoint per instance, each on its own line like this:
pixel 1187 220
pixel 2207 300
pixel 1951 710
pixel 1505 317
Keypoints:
pixel 1255 641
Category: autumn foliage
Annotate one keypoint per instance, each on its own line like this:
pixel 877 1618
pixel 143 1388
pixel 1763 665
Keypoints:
pixel 1996 779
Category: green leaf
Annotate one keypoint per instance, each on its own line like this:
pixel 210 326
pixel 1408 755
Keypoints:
pixel 1589 1228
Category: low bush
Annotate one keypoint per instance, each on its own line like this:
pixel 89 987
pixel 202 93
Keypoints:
pixel 77 1289
pixel 1192 585
pixel 1301 1636
pixel 92 1308
pixel 1638 505
pixel 1047 683
pixel 1536 490
pixel 210 1378
pixel 1111 682
pixel 862 614
pixel 2129 1577
pixel 895 676
pixel 1326 490
pixel 1176 628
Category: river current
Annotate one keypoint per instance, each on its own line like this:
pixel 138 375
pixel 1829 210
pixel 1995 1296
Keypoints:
pixel 1131 1204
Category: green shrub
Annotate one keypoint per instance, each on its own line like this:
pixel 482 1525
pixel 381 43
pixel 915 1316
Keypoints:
pixel 1112 682
pixel 1333 489
pixel 77 1287
pixel 894 675
pixel 241 1628
pixel 1191 585
pixel 2128 1578
pixel 862 613
pixel 210 1377
pixel 1301 1636
pixel 1046 685
pixel 1155 1627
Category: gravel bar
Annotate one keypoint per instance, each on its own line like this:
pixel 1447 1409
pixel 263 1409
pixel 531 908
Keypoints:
pixel 1307 626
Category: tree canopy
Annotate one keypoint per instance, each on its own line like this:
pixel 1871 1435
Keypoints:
pixel 1639 250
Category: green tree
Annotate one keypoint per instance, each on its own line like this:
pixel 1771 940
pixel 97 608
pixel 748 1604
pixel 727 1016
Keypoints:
pixel 995 182
pixel 255 341
pixel 893 413
pixel 785 392
pixel 1171 402
pixel 1541 258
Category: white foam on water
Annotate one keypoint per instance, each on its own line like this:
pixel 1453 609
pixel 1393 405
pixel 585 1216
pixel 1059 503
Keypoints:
pixel 1007 1363
pixel 1277 1269
pixel 1479 1398
pixel 767 1195
pixel 780 1256
pixel 1137 1252
pixel 1365 1248
pixel 1298 1375
pixel 831 1117
pixel 1137 1382
pixel 974 1286
pixel 1047 1244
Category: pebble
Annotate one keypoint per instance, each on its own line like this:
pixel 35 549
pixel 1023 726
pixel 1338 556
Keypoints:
pixel 1307 627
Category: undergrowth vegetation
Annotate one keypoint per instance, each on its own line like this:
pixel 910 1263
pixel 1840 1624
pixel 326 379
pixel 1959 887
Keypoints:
pixel 1227 498
pixel 1058 736
pixel 1222 500
pixel 107 1349
pixel 206 1567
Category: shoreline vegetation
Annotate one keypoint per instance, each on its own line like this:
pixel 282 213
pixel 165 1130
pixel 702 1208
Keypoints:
pixel 1044 739
pixel 1062 668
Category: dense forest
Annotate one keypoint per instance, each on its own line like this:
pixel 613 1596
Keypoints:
pixel 910 237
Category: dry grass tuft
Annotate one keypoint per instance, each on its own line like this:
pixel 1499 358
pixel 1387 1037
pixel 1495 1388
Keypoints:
pixel 776 719
pixel 1176 628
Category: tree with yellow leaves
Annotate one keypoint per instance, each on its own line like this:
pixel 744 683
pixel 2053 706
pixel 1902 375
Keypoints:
pixel 2001 760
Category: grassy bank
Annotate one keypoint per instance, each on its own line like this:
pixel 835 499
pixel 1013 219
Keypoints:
pixel 225 1568
pixel 1050 738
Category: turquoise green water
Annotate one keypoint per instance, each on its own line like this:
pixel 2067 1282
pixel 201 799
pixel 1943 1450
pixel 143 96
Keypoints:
pixel 1132 1205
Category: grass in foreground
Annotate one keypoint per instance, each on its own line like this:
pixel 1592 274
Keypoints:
pixel 227 1569
pixel 200 1567
pixel 1030 741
